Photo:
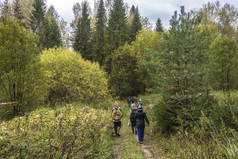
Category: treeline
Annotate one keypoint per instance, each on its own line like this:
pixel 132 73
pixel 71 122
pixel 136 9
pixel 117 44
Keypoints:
pixel 34 70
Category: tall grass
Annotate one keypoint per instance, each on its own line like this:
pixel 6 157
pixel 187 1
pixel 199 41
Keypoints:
pixel 214 137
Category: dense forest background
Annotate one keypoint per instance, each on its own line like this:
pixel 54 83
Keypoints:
pixel 111 52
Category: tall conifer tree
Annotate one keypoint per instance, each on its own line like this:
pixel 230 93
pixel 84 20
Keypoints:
pixel 136 25
pixel 82 38
pixel 52 30
pixel 159 27
pixel 117 30
pixel 37 19
pixel 99 34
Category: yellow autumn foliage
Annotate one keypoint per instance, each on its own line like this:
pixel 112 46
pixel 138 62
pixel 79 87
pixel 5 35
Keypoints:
pixel 71 78
pixel 47 133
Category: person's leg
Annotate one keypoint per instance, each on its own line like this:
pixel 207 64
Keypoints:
pixel 118 128
pixel 135 129
pixel 139 134
pixel 132 127
pixel 115 127
pixel 142 133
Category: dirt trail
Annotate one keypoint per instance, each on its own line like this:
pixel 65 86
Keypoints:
pixel 147 152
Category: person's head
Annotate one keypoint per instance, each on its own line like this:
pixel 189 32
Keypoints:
pixel 115 104
pixel 139 108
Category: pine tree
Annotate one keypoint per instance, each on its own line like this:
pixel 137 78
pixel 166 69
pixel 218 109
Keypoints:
pixel 99 34
pixel 182 71
pixel 37 20
pixel 159 27
pixel 117 30
pixel 136 25
pixel 82 36
pixel 5 11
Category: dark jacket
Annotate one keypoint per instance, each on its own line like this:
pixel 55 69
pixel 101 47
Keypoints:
pixel 140 119
pixel 133 119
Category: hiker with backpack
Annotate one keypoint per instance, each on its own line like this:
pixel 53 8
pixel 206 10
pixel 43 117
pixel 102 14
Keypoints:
pixel 140 123
pixel 117 114
pixel 133 121
pixel 129 101
pixel 132 100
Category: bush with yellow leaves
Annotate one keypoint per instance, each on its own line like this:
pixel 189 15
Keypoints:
pixel 67 132
pixel 71 78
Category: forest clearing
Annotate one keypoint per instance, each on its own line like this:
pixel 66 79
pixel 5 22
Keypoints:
pixel 67 90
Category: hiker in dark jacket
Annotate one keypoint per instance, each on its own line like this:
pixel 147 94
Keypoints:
pixel 133 121
pixel 140 123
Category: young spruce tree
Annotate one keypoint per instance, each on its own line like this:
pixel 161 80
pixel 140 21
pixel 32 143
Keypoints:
pixel 82 39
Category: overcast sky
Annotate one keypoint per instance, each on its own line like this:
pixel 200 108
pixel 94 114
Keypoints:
pixel 152 9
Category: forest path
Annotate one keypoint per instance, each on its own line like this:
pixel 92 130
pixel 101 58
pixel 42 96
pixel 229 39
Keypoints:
pixel 127 146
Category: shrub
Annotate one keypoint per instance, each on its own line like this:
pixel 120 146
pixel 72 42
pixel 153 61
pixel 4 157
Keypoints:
pixel 71 78
pixel 63 133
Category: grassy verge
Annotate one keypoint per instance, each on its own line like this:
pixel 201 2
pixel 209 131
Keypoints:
pixel 206 142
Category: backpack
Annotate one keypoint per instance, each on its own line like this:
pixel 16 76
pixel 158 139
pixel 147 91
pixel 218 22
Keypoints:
pixel 133 115
pixel 117 115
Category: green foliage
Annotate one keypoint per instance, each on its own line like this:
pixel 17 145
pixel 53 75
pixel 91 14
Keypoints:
pixel 26 9
pixel 209 138
pixel 128 73
pixel 226 110
pixel 136 25
pixel 17 11
pixel 37 21
pixel 82 34
pixel 223 17
pixel 71 78
pixel 147 49
pixel 159 26
pixel 181 75
pixel 123 76
pixel 52 29
pixel 21 78
pixel 52 33
pixel 223 56
pixel 99 34
pixel 116 32
pixel 5 11
pixel 62 133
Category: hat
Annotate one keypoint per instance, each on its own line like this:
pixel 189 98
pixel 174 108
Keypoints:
pixel 140 107
pixel 115 103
